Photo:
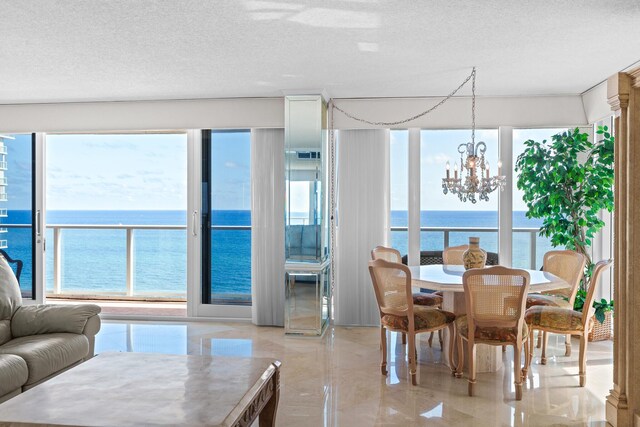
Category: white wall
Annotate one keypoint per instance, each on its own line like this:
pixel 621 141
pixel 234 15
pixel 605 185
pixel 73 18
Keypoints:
pixel 238 113
pixel 491 112
pixel 541 111
pixel 595 103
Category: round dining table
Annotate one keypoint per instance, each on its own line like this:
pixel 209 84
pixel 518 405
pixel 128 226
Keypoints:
pixel 448 280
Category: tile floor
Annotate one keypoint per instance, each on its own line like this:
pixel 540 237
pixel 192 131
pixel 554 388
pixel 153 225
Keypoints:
pixel 336 380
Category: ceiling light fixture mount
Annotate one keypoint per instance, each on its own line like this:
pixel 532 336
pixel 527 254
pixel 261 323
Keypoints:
pixel 477 182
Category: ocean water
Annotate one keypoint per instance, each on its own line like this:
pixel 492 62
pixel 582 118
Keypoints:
pixel 94 260
pixel 434 240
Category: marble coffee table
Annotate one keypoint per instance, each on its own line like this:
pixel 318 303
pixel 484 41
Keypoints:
pixel 132 389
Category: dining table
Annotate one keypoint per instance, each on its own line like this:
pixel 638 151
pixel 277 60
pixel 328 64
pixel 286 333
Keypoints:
pixel 448 280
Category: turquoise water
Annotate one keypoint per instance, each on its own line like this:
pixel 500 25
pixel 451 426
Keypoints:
pixel 94 261
pixel 432 241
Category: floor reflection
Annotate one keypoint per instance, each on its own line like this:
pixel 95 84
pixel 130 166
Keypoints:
pixel 336 380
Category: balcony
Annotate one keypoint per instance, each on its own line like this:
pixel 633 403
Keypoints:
pixel 3 180
pixel 3 165
pixel 141 262
pixel 3 149
pixel 149 262
pixel 528 247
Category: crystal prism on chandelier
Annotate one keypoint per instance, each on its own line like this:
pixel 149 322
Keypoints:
pixel 475 181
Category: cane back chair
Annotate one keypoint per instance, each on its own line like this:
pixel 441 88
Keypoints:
pixel 495 301
pixel 392 286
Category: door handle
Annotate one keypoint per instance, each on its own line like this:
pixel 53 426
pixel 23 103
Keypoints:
pixel 38 226
pixel 194 223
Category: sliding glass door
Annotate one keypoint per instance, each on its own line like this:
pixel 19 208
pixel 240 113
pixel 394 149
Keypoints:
pixel 17 213
pixel 225 220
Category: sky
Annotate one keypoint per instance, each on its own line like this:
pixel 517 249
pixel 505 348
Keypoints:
pixel 116 172
pixel 439 146
pixel 149 171
pixel 19 166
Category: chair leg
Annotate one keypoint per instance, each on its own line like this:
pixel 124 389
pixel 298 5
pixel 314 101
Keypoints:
pixel 441 338
pixel 460 364
pixel 517 370
pixel 472 365
pixel 539 339
pixel 404 338
pixel 582 363
pixel 545 339
pixel 531 349
pixel 452 342
pixel 383 350
pixel 430 341
pixel 567 345
pixel 411 352
pixel 527 359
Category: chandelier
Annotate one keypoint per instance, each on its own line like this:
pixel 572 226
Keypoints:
pixel 475 181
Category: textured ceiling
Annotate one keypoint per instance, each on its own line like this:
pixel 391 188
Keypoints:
pixel 167 49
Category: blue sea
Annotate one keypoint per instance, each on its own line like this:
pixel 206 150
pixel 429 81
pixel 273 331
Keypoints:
pixel 94 261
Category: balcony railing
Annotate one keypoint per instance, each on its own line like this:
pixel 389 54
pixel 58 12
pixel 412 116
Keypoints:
pixel 129 251
pixel 447 231
pixel 127 241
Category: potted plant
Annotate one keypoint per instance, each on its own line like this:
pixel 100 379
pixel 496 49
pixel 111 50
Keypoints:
pixel 604 310
pixel 566 182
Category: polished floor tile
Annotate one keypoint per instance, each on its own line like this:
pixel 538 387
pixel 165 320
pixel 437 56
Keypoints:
pixel 336 380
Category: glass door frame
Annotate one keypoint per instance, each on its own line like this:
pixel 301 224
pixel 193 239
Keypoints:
pixel 199 229
pixel 39 218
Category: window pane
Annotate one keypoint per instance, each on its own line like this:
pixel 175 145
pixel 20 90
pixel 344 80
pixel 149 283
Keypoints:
pixel 231 217
pixel 113 199
pixel 399 165
pixel 444 215
pixel 16 205
pixel 528 247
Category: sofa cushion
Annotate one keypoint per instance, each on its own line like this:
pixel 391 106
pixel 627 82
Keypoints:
pixel 5 331
pixel 47 354
pixel 10 297
pixel 13 373
pixel 50 319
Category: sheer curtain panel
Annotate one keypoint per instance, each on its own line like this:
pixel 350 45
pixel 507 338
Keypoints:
pixel 267 224
pixel 363 221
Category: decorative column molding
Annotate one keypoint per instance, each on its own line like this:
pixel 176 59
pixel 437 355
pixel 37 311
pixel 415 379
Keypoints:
pixel 623 402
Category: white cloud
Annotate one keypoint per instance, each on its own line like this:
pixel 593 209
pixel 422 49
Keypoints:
pixel 436 159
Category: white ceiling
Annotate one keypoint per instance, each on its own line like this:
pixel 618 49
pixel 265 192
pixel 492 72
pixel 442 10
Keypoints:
pixel 54 50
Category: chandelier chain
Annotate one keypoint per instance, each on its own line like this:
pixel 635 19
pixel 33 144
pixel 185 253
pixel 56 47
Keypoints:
pixel 424 113
pixel 473 106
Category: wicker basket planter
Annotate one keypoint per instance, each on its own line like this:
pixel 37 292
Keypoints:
pixel 602 331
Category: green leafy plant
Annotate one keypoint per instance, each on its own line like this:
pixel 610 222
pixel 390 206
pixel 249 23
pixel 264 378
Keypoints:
pixel 602 306
pixel 566 182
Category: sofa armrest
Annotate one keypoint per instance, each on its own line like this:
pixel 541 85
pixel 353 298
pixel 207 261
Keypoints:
pixel 49 319
pixel 90 330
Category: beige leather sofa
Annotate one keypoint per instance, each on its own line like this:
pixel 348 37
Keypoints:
pixel 38 342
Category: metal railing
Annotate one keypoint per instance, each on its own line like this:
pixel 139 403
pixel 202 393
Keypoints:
pixel 130 248
pixel 533 232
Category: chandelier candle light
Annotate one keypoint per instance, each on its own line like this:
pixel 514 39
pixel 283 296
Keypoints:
pixel 478 182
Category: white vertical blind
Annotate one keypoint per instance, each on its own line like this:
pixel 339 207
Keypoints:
pixel 414 197
pixel 267 226
pixel 363 221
